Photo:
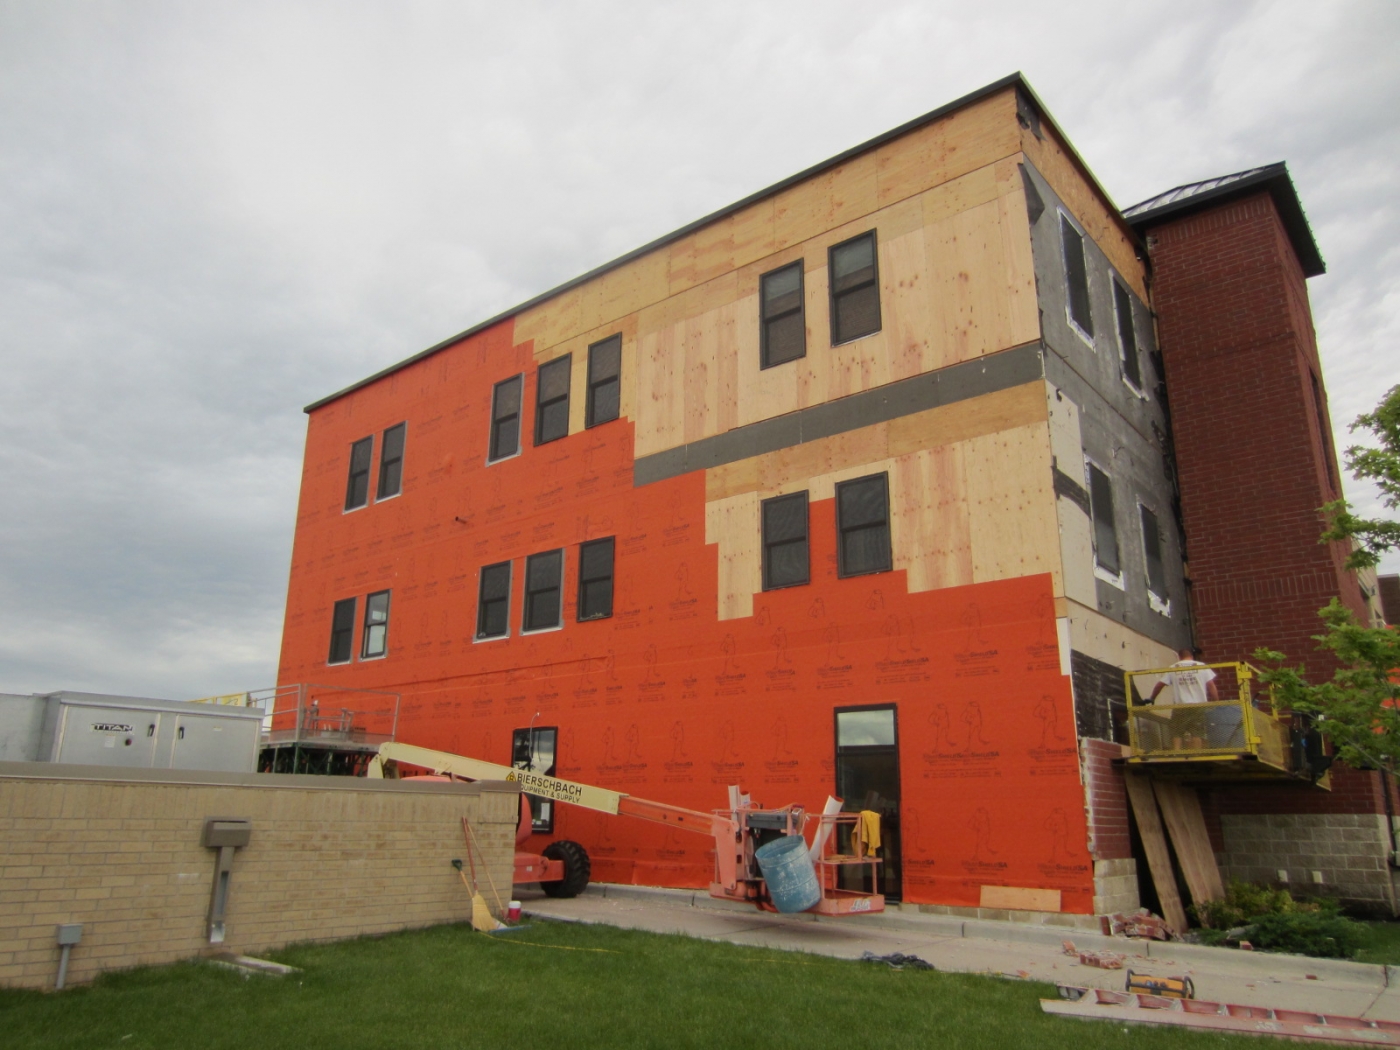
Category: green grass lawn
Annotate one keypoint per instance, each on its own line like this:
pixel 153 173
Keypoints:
pixel 561 987
pixel 1384 944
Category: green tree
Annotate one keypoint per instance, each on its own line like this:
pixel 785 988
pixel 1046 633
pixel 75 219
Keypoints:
pixel 1359 709
pixel 1382 466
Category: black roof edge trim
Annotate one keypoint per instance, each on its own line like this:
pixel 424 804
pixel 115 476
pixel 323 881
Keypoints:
pixel 1273 177
pixel 1016 80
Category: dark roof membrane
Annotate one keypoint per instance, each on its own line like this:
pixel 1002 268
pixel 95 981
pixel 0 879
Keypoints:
pixel 1181 201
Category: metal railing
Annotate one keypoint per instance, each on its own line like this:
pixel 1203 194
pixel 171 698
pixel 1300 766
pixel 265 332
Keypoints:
pixel 1206 712
pixel 327 715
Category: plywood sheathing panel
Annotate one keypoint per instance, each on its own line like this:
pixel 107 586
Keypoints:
pixel 945 425
pixel 1181 808
pixel 970 493
pixel 1154 844
pixel 914 191
pixel 1076 530
pixel 1112 641
pixel 971 138
pixel 1098 217
pixel 1020 898
pixel 733 525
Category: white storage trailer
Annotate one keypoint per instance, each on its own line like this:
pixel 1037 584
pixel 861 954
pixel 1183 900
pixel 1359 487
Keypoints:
pixel 93 729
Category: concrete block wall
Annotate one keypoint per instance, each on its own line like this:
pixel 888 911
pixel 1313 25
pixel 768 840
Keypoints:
pixel 330 857
pixel 1349 850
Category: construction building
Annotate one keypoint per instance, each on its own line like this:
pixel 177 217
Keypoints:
pixel 868 484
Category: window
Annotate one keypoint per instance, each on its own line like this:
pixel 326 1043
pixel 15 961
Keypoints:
pixel 1076 278
pixel 342 631
pixel 855 289
pixel 535 749
pixel 604 382
pixel 1127 336
pixel 1105 532
pixel 544 591
pixel 595 579
pixel 391 463
pixel 1323 431
pixel 1152 555
pixel 863 525
pixel 505 419
pixel 552 400
pixel 375 641
pixel 783 336
pixel 785 561
pixel 357 488
pixel 493 602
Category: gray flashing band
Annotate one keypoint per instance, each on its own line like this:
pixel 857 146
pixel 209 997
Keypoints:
pixel 960 382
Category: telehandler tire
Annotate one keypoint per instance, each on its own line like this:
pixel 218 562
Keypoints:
pixel 576 869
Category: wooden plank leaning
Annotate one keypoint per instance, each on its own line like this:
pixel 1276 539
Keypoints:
pixel 1154 843
pixel 1181 808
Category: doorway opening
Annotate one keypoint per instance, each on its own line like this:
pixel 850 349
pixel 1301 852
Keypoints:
pixel 867 777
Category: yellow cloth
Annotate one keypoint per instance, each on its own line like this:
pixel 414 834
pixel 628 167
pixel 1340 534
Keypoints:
pixel 870 827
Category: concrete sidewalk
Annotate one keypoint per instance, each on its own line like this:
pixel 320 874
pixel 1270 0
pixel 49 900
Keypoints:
pixel 982 946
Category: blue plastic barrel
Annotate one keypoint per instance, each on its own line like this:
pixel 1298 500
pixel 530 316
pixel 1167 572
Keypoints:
pixel 790 874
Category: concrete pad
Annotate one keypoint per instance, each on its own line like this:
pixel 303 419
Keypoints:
pixel 982 946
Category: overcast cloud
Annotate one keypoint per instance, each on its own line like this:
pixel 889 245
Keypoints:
pixel 211 215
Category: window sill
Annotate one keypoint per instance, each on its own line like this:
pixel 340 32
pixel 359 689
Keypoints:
pixel 491 638
pixel 1137 392
pixel 351 510
pixel 371 659
pixel 1159 605
pixel 1112 579
pixel 854 339
pixel 867 572
pixel 541 630
pixel 1084 337
pixel 386 499
pixel 503 459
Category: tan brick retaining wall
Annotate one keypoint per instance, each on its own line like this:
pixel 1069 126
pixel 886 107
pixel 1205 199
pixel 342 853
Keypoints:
pixel 330 857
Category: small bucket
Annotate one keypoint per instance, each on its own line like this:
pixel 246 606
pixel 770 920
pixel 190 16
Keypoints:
pixel 513 911
pixel 790 874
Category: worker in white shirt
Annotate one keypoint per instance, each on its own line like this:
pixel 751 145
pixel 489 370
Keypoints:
pixel 1194 683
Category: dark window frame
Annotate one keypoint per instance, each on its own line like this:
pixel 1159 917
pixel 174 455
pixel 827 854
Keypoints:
pixel 484 604
pixel 343 634
pixel 359 474
pixel 391 462
pixel 529 603
pixel 565 365
pixel 583 611
pixel 1129 353
pixel 495 453
pixel 770 544
pixel 541 809
pixel 765 321
pixel 1097 519
pixel 1163 595
pixel 593 416
pixel 1075 257
pixel 366 631
pixel 843 530
pixel 1324 432
pixel 834 295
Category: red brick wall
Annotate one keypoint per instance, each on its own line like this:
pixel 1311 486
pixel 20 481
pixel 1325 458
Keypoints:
pixel 1239 350
pixel 1106 800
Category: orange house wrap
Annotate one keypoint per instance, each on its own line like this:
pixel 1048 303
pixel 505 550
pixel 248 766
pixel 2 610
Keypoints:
pixel 923 336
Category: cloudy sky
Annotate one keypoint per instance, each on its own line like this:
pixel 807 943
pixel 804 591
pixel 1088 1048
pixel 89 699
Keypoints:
pixel 213 214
